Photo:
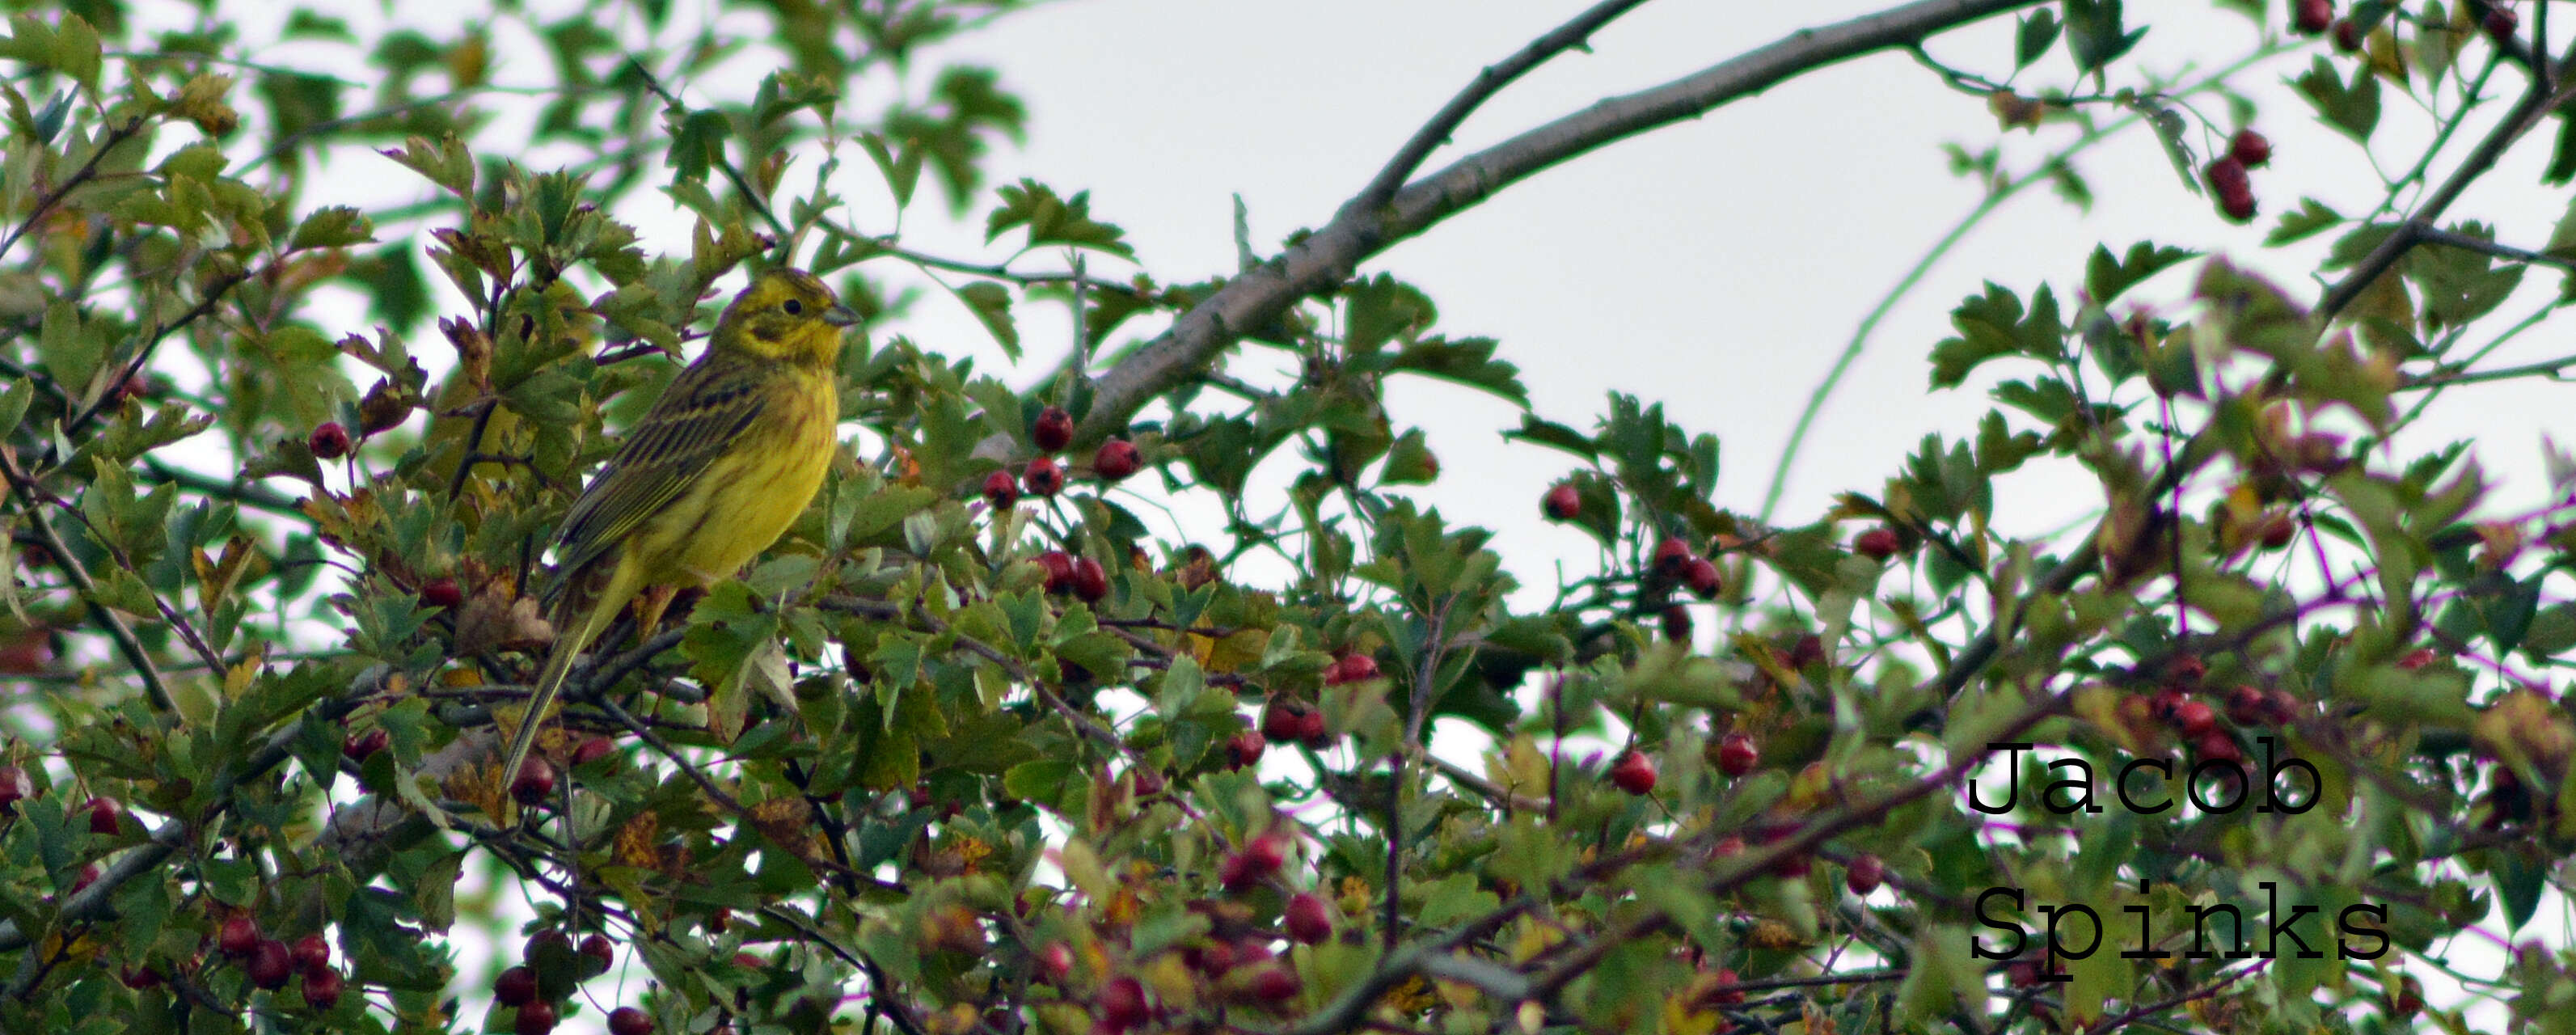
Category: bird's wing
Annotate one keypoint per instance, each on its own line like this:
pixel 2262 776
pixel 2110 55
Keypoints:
pixel 698 416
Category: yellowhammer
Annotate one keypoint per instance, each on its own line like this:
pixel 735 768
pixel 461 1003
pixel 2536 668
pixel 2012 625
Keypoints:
pixel 721 465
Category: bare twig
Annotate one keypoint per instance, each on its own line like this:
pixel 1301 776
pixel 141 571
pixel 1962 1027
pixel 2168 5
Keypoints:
pixel 1573 35
pixel 1329 255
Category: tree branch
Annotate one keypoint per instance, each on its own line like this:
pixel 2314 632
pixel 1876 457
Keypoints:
pixel 1330 255
pixel 1576 34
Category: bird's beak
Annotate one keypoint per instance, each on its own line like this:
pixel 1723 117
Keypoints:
pixel 840 316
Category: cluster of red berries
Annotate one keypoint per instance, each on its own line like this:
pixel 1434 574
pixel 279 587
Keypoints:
pixel 1080 576
pixel 2177 706
pixel 1289 720
pixel 519 989
pixel 2230 179
pixel 269 963
pixel 2317 17
pixel 1115 460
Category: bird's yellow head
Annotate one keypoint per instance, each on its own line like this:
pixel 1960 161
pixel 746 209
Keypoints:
pixel 785 315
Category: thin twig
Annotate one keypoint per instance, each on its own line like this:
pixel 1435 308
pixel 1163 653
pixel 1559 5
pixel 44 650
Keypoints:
pixel 32 502
pixel 115 138
pixel 1573 35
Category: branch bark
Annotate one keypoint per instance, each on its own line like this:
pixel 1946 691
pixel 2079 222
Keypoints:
pixel 1360 231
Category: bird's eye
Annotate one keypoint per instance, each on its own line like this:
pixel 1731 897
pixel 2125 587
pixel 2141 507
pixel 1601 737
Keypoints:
pixel 794 307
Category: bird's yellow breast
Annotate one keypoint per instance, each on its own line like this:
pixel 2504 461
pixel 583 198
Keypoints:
pixel 750 494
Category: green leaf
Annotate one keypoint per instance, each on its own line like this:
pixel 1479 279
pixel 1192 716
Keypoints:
pixel 991 304
pixel 332 226
pixel 1467 361
pixel 902 170
pixel 2520 876
pixel 2094 35
pixel 2351 108
pixel 2105 277
pixel 1552 434
pixel 2032 38
pixel 2310 218
pixel 1053 220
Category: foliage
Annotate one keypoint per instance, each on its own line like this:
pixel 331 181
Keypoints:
pixel 915 770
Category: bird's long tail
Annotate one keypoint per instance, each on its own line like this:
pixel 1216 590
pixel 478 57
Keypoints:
pixel 571 639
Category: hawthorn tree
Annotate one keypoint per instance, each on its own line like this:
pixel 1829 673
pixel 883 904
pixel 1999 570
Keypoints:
pixel 978 748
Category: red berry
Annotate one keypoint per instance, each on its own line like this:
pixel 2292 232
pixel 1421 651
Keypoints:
pixel 597 955
pixel 2249 148
pixel 516 986
pixel 1562 503
pixel 1307 918
pixel 1090 580
pixel 2314 15
pixel 2248 706
pixel 2237 207
pixel 2347 36
pixel 1864 874
pixel 536 1018
pixel 141 977
pixel 1633 773
pixel 329 442
pixel 1285 719
pixel 309 953
pixel 88 875
pixel 2220 746
pixel 1807 650
pixel 627 1020
pixel 1276 985
pixel 1056 961
pixel 15 787
pixel 1245 749
pixel 1670 556
pixel 535 781
pixel 2186 671
pixel 1258 860
pixel 2195 718
pixel 1122 1003
pixel 1701 577
pixel 1351 668
pixel 104 815
pixel 1116 460
pixel 545 945
pixel 2417 658
pixel 1725 991
pixel 2500 23
pixel 1001 489
pixel 238 936
pixel 1148 782
pixel 1042 477
pixel 1053 429
pixel 1212 959
pixel 1677 624
pixel 1737 755
pixel 1877 544
pixel 1313 732
pixel 592 750
pixel 2277 531
pixel 1731 844
pixel 1059 570
pixel 441 593
pixel 269 965
pixel 361 745
pixel 322 987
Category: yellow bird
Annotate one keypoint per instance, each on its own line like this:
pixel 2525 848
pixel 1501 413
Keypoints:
pixel 721 465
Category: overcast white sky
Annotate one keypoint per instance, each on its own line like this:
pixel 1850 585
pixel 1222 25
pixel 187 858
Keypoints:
pixel 1716 266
